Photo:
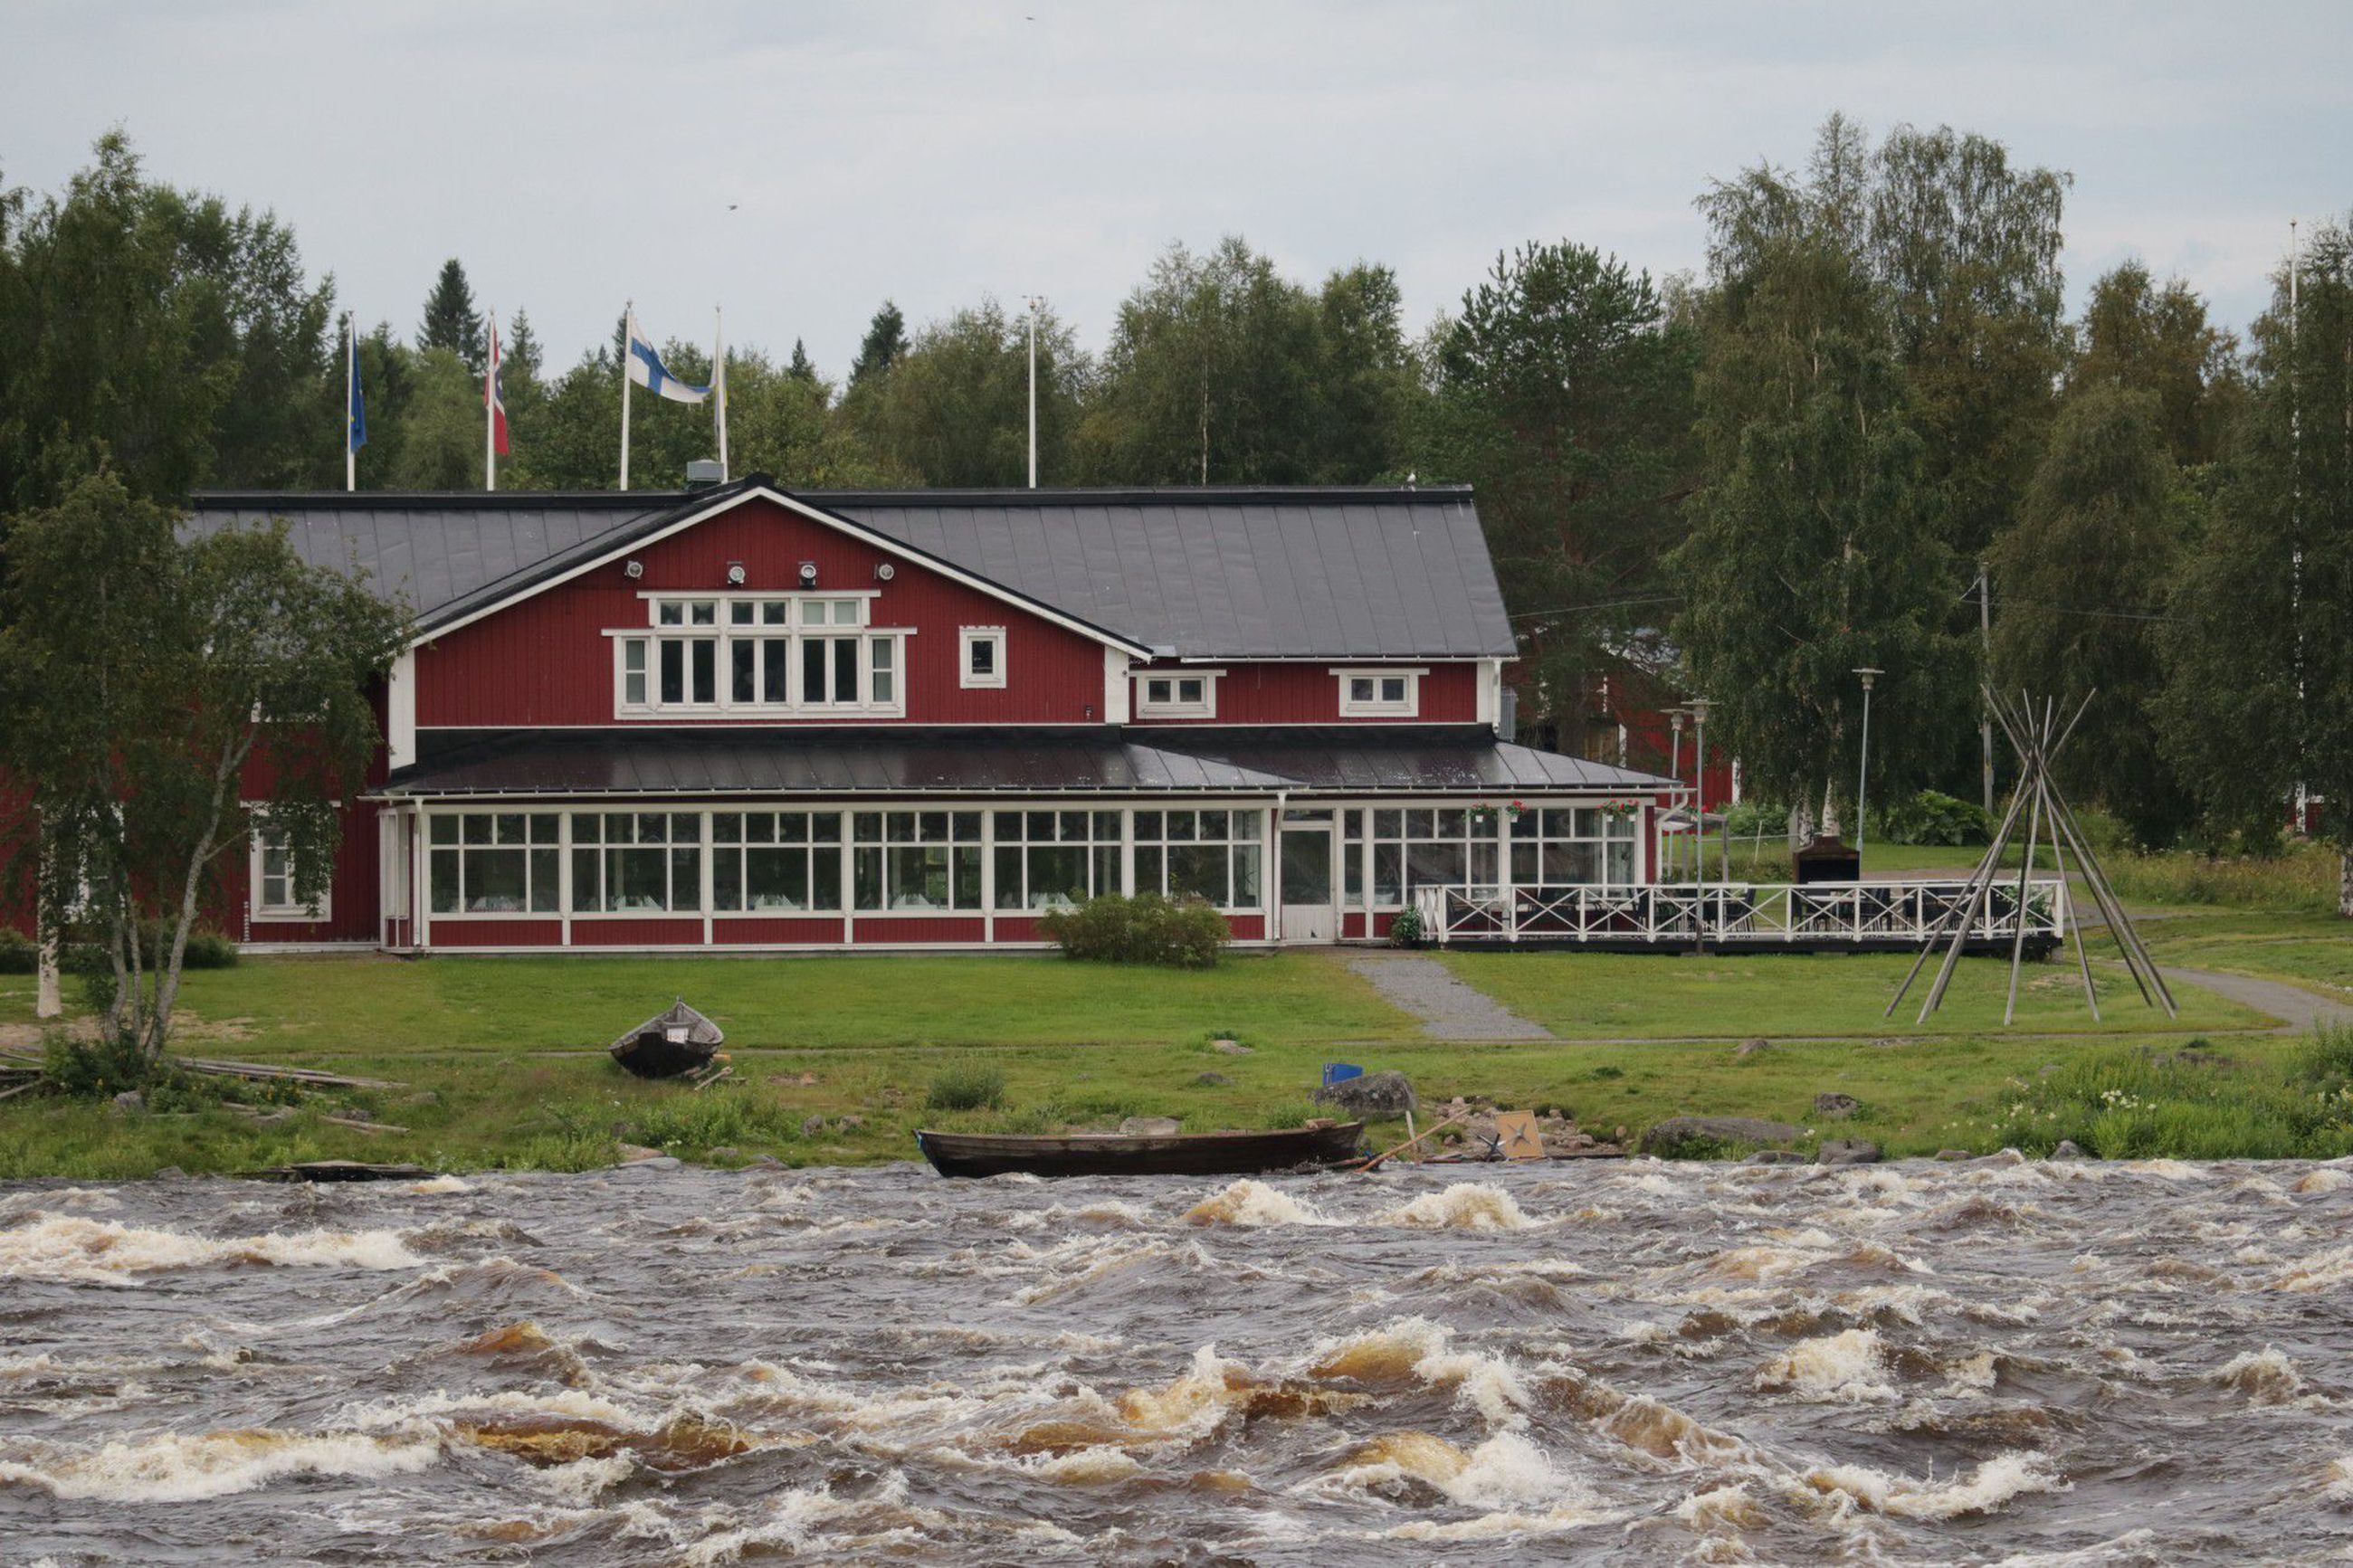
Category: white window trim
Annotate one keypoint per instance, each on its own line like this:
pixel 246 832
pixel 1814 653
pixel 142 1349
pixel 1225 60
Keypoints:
pixel 1146 708
pixel 725 706
pixel 965 639
pixel 1350 708
pixel 322 911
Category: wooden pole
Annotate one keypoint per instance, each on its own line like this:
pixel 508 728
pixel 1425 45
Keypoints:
pixel 1985 863
pixel 2075 928
pixel 2025 872
pixel 1410 1143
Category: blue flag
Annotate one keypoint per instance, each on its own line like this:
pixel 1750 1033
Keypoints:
pixel 355 410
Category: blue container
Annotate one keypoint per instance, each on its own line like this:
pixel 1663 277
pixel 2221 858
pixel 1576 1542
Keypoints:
pixel 1340 1072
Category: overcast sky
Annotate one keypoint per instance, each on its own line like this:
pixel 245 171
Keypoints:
pixel 798 163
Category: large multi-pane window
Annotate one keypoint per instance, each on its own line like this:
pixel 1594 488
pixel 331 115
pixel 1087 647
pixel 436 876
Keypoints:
pixel 1051 860
pixel 1425 847
pixel 789 654
pixel 632 862
pixel 1211 854
pixel 917 859
pixel 775 861
pixel 1557 845
pixel 494 863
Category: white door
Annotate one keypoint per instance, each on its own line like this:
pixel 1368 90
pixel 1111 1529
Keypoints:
pixel 1310 914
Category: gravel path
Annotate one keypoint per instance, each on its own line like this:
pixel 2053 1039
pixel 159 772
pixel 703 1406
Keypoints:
pixel 1449 1010
pixel 2295 1008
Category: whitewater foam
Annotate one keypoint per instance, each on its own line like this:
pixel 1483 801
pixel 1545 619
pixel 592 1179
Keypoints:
pixel 69 1248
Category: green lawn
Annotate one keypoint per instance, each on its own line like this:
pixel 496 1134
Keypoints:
pixel 277 1006
pixel 1603 996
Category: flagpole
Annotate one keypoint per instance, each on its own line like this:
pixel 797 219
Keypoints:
pixel 350 386
pixel 628 336
pixel 719 378
pixel 490 411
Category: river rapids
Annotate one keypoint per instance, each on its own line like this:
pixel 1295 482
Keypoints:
pixel 1995 1361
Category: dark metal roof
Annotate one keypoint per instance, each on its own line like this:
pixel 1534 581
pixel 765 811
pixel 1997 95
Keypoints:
pixel 805 762
pixel 1212 572
pixel 1339 759
pixel 714 762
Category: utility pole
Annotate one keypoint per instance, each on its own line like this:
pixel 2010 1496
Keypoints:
pixel 1985 714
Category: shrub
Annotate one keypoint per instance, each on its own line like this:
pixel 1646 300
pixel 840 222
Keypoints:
pixel 205 950
pixel 17 954
pixel 2302 879
pixel 1930 817
pixel 1145 929
pixel 967 1086
pixel 95 1069
pixel 1406 930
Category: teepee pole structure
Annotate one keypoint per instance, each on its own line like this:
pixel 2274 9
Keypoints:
pixel 2039 740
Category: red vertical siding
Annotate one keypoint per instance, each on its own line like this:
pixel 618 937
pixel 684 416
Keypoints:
pixel 918 928
pixel 547 661
pixel 1310 694
pixel 497 933
pixel 647 932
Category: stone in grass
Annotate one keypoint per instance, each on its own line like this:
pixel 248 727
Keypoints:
pixel 631 1153
pixel 1386 1093
pixel 130 1102
pixel 171 1173
pixel 1213 1080
pixel 2066 1149
pixel 1776 1157
pixel 1709 1133
pixel 1748 1048
pixel 812 1125
pixel 1833 1103
pixel 722 1153
pixel 1229 1047
pixel 1847 1151
pixel 1951 1156
pixel 1150 1127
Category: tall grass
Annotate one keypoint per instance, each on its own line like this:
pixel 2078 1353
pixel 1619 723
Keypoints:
pixel 2195 1103
pixel 2301 879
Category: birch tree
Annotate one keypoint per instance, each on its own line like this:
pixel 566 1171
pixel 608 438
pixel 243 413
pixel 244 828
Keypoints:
pixel 157 696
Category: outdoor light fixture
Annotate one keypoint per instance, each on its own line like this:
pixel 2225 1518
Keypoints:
pixel 1862 771
pixel 634 570
pixel 735 572
pixel 884 572
pixel 808 573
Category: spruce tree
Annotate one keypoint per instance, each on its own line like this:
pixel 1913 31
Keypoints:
pixel 801 369
pixel 451 320
pixel 886 340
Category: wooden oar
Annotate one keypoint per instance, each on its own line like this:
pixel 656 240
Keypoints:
pixel 1451 1120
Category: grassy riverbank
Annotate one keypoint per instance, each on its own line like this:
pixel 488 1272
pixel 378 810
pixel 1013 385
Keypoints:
pixel 836 1058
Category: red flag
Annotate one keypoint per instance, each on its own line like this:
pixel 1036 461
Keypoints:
pixel 494 395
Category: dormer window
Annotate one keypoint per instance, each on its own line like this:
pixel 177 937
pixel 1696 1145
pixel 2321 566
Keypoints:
pixel 1188 694
pixel 1379 693
pixel 981 656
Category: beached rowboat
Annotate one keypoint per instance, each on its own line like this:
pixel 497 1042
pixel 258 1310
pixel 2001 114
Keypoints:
pixel 1128 1154
pixel 670 1044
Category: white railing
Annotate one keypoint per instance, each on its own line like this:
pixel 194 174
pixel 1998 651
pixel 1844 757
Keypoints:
pixel 1737 914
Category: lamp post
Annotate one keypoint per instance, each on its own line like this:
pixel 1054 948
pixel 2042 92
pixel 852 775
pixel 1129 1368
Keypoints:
pixel 1699 706
pixel 1676 746
pixel 1862 771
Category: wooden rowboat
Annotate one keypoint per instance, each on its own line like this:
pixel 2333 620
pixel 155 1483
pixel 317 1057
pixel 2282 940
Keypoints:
pixel 670 1044
pixel 1127 1154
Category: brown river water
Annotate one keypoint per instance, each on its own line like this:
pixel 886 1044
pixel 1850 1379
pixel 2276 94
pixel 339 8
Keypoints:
pixel 2000 1361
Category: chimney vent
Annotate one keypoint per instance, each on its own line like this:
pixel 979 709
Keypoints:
pixel 702 473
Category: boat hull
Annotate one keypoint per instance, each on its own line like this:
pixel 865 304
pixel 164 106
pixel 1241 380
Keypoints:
pixel 1119 1154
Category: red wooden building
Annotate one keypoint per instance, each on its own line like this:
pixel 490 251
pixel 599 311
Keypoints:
pixel 739 718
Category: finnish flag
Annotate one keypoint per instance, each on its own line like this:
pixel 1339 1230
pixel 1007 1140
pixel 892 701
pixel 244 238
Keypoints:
pixel 647 370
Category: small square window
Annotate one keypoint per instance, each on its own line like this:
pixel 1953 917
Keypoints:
pixel 1190 689
pixel 983 656
pixel 1360 689
pixel 1158 690
pixel 1393 689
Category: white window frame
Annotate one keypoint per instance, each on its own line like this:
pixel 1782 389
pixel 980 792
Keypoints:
pixel 1170 704
pixel 970 637
pixel 755 619
pixel 262 910
pixel 1380 705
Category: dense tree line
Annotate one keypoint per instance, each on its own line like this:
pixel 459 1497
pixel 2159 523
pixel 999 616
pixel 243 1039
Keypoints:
pixel 1756 478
